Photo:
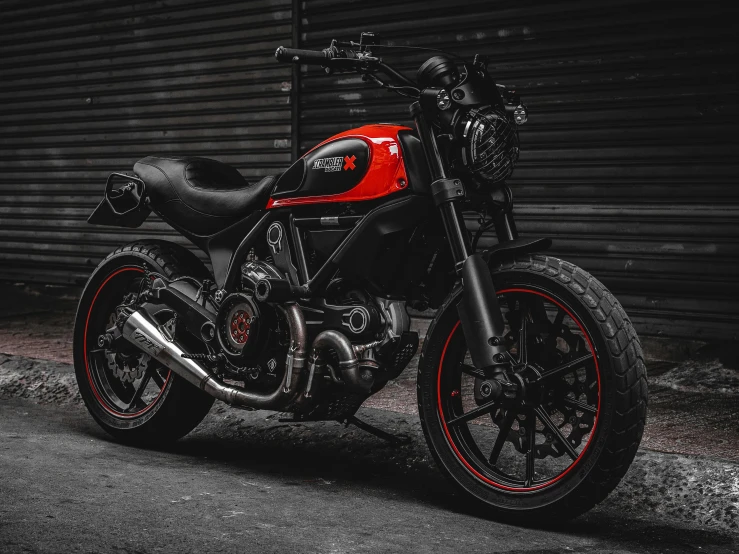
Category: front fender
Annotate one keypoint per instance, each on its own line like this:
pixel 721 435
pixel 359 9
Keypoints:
pixel 512 248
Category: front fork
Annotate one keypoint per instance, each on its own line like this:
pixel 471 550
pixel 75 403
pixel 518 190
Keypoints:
pixel 479 311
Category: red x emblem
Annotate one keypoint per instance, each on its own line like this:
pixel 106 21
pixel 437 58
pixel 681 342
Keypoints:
pixel 349 162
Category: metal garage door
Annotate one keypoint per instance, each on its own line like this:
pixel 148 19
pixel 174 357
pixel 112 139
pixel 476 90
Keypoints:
pixel 88 87
pixel 629 160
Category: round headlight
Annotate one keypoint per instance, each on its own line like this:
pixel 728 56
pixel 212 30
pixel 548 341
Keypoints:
pixel 489 143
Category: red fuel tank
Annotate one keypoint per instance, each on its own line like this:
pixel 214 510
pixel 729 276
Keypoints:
pixel 358 164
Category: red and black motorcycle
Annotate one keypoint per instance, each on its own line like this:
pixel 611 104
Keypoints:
pixel 531 385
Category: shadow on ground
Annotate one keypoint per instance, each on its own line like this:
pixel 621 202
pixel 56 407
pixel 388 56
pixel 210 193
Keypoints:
pixel 315 454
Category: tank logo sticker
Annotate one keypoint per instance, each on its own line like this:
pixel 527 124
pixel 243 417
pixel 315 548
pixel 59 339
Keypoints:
pixel 328 164
pixel 335 164
pixel 146 342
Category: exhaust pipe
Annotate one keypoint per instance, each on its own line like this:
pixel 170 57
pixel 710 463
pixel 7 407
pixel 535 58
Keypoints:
pixel 144 334
pixel 354 376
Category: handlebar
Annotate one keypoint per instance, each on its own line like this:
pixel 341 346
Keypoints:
pixel 298 55
pixel 342 60
pixel 351 56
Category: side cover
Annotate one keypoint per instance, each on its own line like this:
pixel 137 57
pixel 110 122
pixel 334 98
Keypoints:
pixel 359 164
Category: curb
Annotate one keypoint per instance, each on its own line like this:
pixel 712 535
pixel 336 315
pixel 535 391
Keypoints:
pixel 42 381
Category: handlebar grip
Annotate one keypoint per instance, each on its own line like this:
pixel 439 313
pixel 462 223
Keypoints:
pixel 318 57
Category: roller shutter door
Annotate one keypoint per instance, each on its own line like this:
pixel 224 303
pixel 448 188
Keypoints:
pixel 88 87
pixel 629 160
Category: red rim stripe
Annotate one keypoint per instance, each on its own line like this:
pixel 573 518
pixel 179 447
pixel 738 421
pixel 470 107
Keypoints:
pixel 449 437
pixel 100 399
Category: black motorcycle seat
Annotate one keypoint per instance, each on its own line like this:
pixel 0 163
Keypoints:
pixel 200 195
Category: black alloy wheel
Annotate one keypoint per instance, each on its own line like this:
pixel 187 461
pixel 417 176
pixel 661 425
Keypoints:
pixel 553 432
pixel 546 407
pixel 131 395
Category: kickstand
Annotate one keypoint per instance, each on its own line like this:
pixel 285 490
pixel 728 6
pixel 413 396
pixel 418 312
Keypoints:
pixel 396 440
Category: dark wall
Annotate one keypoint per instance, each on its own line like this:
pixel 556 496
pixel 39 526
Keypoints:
pixel 629 159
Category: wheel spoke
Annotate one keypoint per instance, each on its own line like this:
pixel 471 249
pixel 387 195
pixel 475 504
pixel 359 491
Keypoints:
pixel 587 408
pixel 158 379
pixel 523 353
pixel 473 371
pixel 139 391
pixel 531 433
pixel 505 428
pixel 472 414
pixel 538 312
pixel 565 368
pixel 555 329
pixel 103 380
pixel 549 424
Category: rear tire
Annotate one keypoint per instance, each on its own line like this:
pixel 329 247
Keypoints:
pixel 617 425
pixel 178 407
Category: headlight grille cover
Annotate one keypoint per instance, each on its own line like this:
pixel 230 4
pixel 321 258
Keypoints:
pixel 489 144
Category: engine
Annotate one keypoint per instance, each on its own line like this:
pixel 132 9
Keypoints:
pixel 318 358
pixel 357 342
pixel 252 341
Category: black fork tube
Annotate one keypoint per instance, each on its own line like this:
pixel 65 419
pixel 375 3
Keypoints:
pixel 479 311
pixel 458 241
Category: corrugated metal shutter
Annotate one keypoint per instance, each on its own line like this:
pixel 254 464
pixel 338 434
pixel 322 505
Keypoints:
pixel 629 160
pixel 88 87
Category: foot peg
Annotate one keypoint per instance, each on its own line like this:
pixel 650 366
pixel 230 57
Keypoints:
pixel 395 440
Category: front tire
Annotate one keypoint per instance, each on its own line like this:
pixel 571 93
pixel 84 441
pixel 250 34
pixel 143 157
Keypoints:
pixel 133 397
pixel 563 448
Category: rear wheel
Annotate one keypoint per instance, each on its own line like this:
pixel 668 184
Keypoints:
pixel 131 395
pixel 561 439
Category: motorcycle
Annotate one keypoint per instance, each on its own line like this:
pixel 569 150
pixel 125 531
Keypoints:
pixel 531 383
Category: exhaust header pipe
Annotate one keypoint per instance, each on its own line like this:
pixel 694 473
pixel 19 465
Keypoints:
pixel 354 375
pixel 141 332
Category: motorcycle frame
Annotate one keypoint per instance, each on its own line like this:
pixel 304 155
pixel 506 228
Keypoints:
pixel 479 311
pixel 478 308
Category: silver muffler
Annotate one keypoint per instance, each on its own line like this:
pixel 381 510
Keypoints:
pixel 145 334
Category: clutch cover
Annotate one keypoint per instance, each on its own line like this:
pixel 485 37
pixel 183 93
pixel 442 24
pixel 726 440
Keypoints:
pixel 238 326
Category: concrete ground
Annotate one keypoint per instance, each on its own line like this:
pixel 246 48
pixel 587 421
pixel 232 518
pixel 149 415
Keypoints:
pixel 245 482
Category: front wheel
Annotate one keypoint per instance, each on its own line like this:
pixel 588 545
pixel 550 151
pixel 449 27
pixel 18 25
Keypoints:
pixel 562 437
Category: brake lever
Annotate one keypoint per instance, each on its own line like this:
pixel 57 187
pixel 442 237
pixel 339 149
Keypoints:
pixel 349 60
pixel 364 62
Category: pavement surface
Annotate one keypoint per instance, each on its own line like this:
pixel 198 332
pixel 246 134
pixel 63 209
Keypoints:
pixel 243 481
